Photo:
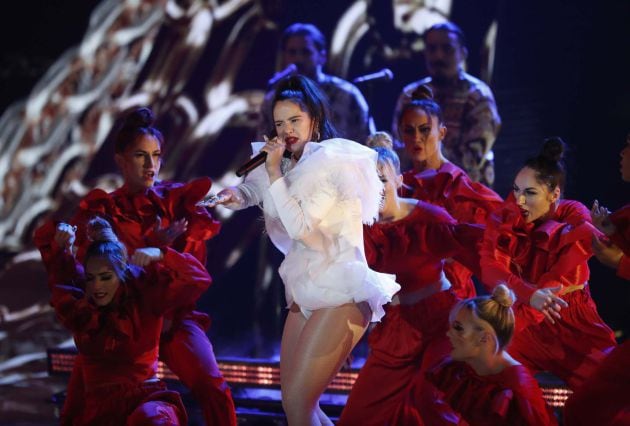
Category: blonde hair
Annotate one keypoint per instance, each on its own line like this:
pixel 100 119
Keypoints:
pixel 496 310
pixel 380 139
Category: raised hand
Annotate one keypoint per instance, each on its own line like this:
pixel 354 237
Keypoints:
pixel 228 197
pixel 546 301
pixel 165 236
pixel 607 253
pixel 65 235
pixel 275 150
pixel 600 216
pixel 146 255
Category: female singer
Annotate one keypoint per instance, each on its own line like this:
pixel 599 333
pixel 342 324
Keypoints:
pixel 539 245
pixel 436 180
pixel 314 204
pixel 115 313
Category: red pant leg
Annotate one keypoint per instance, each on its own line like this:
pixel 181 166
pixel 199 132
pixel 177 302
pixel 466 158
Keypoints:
pixel 75 394
pixel 572 348
pixel 154 413
pixel 411 339
pixel 383 381
pixel 604 399
pixel 190 356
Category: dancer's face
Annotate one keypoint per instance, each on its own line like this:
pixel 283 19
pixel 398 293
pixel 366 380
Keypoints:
pixel 293 126
pixel 422 136
pixel 391 183
pixel 533 198
pixel 625 160
pixel 101 280
pixel 140 163
pixel 465 334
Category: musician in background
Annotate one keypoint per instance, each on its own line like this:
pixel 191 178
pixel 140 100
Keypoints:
pixel 303 51
pixel 470 111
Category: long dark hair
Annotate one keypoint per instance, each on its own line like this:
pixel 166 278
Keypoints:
pixel 549 164
pixel 134 124
pixel 304 92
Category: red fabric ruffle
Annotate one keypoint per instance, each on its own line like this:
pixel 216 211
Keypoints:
pixel 511 397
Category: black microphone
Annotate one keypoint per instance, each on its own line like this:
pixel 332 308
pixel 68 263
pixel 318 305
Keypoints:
pixel 290 69
pixel 256 161
pixel 384 74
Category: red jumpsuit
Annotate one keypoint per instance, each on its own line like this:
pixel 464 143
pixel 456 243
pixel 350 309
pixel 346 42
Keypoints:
pixel 509 398
pixel 604 399
pixel 465 200
pixel 531 256
pixel 411 338
pixel 118 343
pixel 184 345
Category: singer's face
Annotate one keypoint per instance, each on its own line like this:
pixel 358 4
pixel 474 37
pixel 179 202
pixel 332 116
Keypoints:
pixel 422 136
pixel 301 51
pixel 140 163
pixel 293 126
pixel 443 54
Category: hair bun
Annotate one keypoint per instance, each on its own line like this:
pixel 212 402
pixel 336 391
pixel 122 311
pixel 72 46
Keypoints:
pixel 380 139
pixel 139 117
pixel 553 149
pixel 503 296
pixel 421 93
pixel 98 229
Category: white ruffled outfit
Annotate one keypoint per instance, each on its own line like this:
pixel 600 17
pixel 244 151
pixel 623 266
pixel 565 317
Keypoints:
pixel 314 214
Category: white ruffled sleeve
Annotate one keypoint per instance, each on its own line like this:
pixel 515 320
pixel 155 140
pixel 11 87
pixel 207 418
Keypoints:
pixel 299 225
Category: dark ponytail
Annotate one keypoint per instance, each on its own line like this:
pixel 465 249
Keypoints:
pixel 549 164
pixel 304 92
pixel 422 98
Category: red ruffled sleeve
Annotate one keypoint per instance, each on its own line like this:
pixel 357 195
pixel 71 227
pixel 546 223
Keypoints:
pixel 134 216
pixel 428 231
pixel 621 220
pixel 511 397
pixel 180 201
pixel 451 188
pixel 60 264
pixel 529 257
pixel 178 280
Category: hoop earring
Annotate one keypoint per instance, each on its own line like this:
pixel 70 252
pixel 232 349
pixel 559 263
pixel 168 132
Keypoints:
pixel 316 132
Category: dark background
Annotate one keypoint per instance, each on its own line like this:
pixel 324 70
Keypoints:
pixel 561 68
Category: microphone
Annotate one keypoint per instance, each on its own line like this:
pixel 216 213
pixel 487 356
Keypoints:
pixel 290 69
pixel 384 74
pixel 256 161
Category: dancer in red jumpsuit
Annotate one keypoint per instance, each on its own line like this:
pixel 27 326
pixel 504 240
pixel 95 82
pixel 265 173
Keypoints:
pixel 481 381
pixel 539 245
pixel 604 397
pixel 115 312
pixel 411 239
pixel 436 180
pixel 148 212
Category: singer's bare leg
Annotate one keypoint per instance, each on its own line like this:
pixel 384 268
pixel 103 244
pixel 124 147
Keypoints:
pixel 311 354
